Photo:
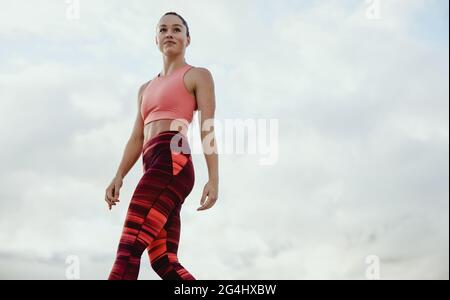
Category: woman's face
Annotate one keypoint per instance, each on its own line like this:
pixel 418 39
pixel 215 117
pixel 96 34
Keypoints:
pixel 171 35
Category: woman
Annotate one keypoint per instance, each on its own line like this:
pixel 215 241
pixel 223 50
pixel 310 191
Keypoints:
pixel 165 108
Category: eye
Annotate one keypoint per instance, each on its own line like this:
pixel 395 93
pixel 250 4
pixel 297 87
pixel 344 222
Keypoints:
pixel 177 29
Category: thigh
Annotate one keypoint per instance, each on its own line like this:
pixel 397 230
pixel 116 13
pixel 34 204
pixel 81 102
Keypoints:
pixel 167 240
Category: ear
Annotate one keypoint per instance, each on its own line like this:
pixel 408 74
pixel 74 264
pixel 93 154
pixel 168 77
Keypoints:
pixel 156 40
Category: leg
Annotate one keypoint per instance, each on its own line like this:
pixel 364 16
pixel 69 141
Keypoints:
pixel 147 214
pixel 163 250
pixel 167 181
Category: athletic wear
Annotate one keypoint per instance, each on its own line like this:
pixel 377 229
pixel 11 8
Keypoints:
pixel 153 218
pixel 167 97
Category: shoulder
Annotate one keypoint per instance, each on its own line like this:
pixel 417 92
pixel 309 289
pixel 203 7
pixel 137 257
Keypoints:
pixel 141 90
pixel 143 86
pixel 201 72
pixel 201 77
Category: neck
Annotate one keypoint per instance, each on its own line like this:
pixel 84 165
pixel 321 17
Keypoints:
pixel 172 63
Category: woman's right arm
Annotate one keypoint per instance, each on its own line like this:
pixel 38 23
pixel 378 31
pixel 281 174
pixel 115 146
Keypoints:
pixel 133 148
pixel 131 154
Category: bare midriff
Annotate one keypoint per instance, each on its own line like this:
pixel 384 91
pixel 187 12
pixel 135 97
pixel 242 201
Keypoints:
pixel 153 128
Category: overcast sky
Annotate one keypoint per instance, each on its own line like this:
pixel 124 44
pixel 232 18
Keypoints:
pixel 359 91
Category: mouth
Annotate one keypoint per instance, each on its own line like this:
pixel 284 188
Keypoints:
pixel 170 42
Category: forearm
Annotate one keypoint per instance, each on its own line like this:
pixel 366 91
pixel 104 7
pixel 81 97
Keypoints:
pixel 211 156
pixel 131 154
pixel 212 162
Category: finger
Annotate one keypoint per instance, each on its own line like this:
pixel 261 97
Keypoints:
pixel 208 204
pixel 116 192
pixel 205 205
pixel 211 202
pixel 109 192
pixel 203 199
pixel 202 202
pixel 116 196
pixel 112 193
pixel 108 201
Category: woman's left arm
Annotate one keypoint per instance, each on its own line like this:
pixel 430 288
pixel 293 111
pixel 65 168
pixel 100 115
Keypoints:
pixel 204 92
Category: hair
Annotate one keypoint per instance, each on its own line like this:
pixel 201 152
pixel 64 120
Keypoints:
pixel 182 20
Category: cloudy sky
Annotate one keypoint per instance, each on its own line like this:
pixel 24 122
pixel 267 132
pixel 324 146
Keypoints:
pixel 359 90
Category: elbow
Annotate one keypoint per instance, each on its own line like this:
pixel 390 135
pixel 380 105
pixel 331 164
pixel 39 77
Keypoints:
pixel 137 139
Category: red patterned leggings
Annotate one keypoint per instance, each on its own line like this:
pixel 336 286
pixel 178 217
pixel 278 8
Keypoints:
pixel 153 218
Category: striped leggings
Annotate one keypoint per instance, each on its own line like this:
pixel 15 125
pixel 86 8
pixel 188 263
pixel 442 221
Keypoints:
pixel 153 218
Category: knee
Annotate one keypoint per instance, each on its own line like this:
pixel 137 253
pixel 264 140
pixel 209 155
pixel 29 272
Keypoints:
pixel 164 263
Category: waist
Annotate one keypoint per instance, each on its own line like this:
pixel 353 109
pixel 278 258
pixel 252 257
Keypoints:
pixel 168 140
pixel 153 128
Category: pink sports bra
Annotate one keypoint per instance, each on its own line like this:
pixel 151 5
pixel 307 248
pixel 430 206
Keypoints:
pixel 166 97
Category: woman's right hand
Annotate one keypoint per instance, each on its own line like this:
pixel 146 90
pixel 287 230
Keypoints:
pixel 112 191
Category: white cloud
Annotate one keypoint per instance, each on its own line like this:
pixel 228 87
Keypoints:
pixel 363 153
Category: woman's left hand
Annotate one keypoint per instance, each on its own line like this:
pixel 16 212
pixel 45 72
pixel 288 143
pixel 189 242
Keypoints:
pixel 211 190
